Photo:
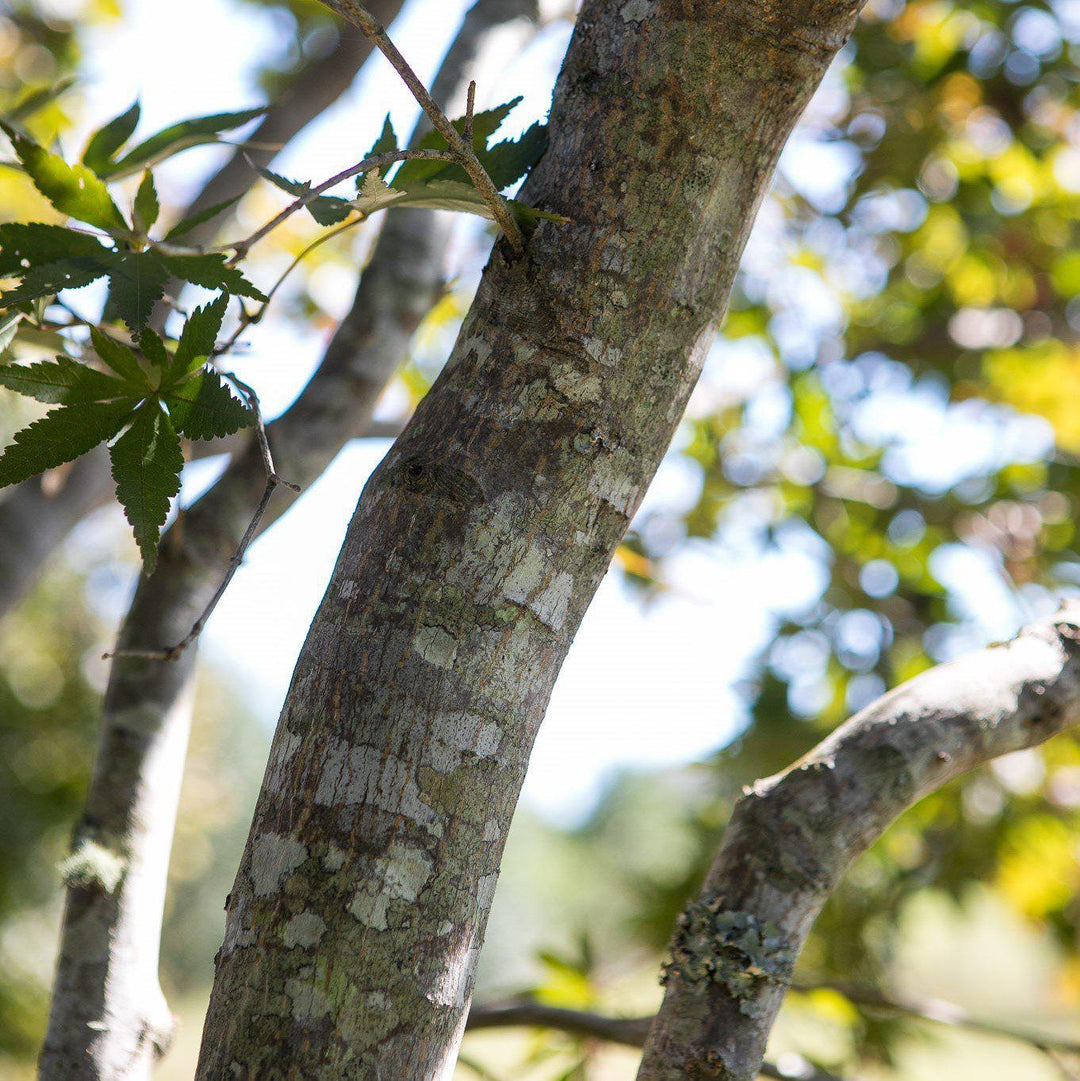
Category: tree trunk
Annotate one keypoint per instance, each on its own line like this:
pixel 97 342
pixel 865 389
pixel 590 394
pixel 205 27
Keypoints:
pixel 105 993
pixel 360 904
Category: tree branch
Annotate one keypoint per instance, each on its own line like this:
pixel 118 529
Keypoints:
pixel 100 994
pixel 361 18
pixel 792 837
pixel 629 1031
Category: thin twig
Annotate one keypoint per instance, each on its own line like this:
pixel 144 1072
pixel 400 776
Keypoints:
pixel 470 106
pixel 376 161
pixel 940 1013
pixel 359 16
pixel 272 482
pixel 628 1031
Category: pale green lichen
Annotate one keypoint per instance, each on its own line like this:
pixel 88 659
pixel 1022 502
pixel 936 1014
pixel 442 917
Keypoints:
pixel 712 944
pixel 92 866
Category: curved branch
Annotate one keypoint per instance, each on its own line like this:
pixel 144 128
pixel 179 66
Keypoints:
pixel 794 835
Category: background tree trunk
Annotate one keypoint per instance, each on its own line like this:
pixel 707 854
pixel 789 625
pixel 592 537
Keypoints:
pixel 361 900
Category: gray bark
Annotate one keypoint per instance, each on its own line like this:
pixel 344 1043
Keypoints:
pixel 106 1019
pixel 361 900
pixel 794 835
pixel 35 522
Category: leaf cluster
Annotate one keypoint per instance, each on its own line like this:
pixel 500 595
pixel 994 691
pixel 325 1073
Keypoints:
pixel 142 402
pixel 47 259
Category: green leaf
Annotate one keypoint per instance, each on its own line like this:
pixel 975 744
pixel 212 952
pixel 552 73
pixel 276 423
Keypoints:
pixel 181 228
pixel 9 327
pixel 107 140
pixel 197 339
pixel 205 408
pixel 73 189
pixel 146 465
pixel 137 281
pixel 177 137
pixel 38 99
pixel 63 382
pixel 50 278
pixel 30 244
pixel 325 209
pixel 62 435
pixel 146 206
pixel 387 141
pixel 211 272
pixel 507 162
pixel 121 359
pixel 155 352
pixel 485 125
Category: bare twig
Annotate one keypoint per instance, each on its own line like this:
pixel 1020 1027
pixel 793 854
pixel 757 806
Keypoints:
pixel 939 1012
pixel 462 149
pixel 628 1031
pixel 171 653
pixel 470 106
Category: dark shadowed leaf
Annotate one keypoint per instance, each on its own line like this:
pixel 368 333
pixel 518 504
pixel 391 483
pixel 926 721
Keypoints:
pixel 198 338
pixel 205 408
pixel 146 206
pixel 137 281
pixel 107 140
pixel 121 359
pixel 177 137
pixel 60 436
pixel 63 382
pixel 211 272
pixel 185 225
pixel 146 465
pixel 23 246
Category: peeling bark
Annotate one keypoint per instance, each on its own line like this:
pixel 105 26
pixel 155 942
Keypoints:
pixel 794 835
pixel 104 993
pixel 482 537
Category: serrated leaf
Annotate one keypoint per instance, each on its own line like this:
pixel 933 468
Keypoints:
pixel 147 207
pixel 121 359
pixel 507 162
pixel 28 244
pixel 154 350
pixel 63 382
pixel 387 141
pixel 146 465
pixel 108 139
pixel 180 136
pixel 137 281
pixel 51 278
pixel 325 209
pixel 197 339
pixel 62 435
pixel 205 408
pixel 485 124
pixel 211 272
pixel 184 226
pixel 375 194
pixel 73 189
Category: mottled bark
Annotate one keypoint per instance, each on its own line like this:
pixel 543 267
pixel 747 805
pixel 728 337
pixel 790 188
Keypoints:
pixel 129 814
pixel 361 900
pixel 35 522
pixel 793 836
